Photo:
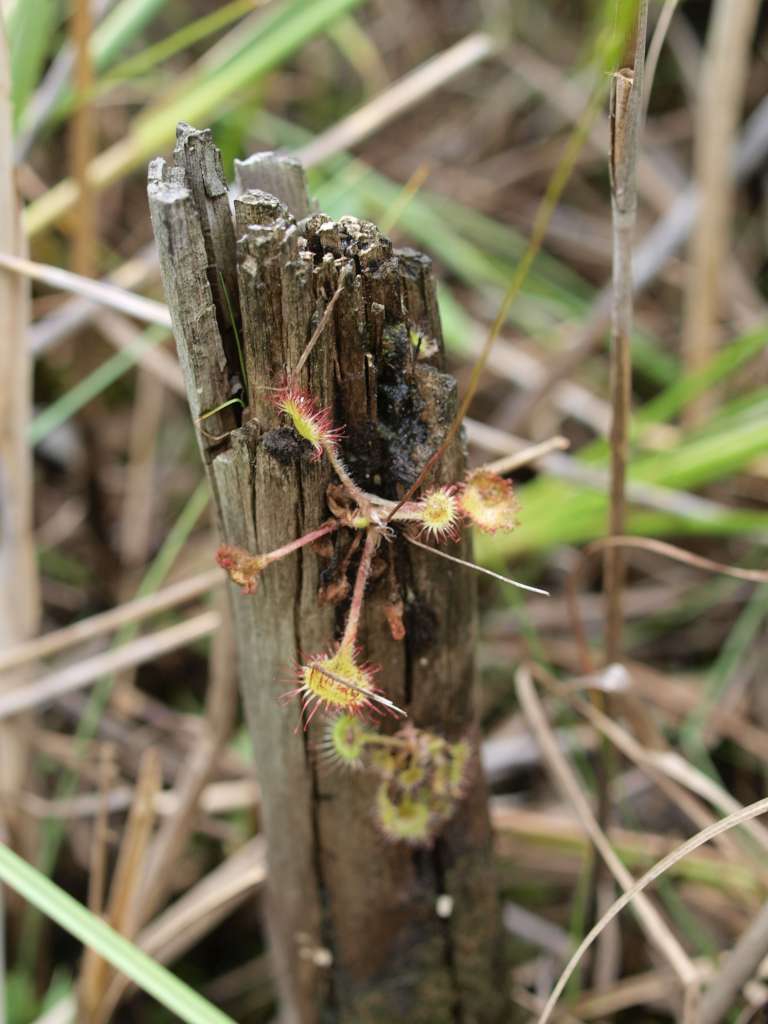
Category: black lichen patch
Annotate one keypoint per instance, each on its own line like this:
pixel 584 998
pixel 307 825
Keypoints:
pixel 401 410
pixel 363 455
pixel 285 446
pixel 421 624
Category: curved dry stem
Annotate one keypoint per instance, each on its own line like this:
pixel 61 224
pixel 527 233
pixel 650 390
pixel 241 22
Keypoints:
pixel 661 547
pixel 651 921
pixel 659 868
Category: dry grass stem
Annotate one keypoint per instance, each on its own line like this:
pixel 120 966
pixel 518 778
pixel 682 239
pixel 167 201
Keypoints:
pixel 551 840
pixel 753 810
pixel 91 971
pixel 528 455
pixel 639 990
pixel 557 464
pixel 82 141
pixel 626 114
pixel 189 919
pixel 720 99
pixel 19 587
pixel 200 909
pixel 139 502
pixel 97 877
pixel 123 335
pixel 72 314
pixel 137 652
pixel 206 903
pixel 195 773
pixel 411 89
pixel 167 846
pixel 125 891
pixel 655 47
pixel 673 782
pixel 741 963
pixel 650 256
pixel 107 622
pixel 288 317
pixel 569 97
pixel 670 763
pixel 514 363
pixel 148 311
pixel 654 925
pixel 216 798
pixel 661 547
pixel 625 129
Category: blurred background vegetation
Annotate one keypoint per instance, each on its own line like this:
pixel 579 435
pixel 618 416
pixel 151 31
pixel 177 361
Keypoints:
pixel 463 108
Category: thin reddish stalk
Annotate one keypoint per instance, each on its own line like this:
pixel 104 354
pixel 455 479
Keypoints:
pixel 341 472
pixel 363 572
pixel 300 542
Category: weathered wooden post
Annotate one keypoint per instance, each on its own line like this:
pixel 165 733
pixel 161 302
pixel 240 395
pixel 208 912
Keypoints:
pixel 362 930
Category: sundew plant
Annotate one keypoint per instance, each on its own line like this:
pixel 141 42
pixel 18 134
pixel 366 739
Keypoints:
pixel 422 775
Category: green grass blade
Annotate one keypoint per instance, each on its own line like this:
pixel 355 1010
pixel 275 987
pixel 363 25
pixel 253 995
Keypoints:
pixel 684 390
pixel 120 27
pixel 115 32
pixel 187 36
pixel 282 37
pixel 74 918
pixel 149 58
pixel 734 651
pixel 554 512
pixel 31 29
pixel 89 387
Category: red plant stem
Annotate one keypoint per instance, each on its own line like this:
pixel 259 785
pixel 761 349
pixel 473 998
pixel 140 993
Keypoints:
pixel 300 542
pixel 363 572
pixel 341 472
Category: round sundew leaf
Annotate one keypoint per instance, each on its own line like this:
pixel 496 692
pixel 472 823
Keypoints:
pixel 345 741
pixel 488 500
pixel 406 817
pixel 439 513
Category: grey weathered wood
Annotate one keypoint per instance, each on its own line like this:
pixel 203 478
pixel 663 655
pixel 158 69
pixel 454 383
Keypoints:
pixel 277 174
pixel 19 583
pixel 353 925
pixel 256 207
pixel 270 630
pixel 183 264
pixel 201 160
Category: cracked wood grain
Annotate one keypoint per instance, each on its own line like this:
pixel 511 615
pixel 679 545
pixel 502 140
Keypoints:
pixel 354 930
